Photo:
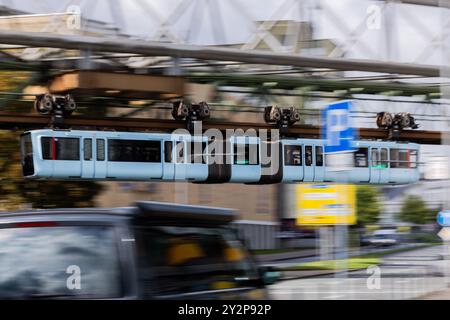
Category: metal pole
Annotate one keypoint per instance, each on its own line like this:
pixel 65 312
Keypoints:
pixel 210 53
pixel 444 72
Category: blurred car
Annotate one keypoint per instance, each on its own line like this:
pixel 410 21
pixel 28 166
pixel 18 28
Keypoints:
pixel 383 238
pixel 152 250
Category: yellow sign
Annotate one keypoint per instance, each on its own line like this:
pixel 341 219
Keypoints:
pixel 325 204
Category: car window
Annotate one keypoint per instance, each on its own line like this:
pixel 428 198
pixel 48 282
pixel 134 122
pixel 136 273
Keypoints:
pixel 177 260
pixel 59 261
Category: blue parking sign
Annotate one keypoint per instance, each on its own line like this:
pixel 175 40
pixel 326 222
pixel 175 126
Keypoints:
pixel 337 129
pixel 443 218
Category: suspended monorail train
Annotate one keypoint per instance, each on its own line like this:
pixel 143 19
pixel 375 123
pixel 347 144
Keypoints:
pixel 138 156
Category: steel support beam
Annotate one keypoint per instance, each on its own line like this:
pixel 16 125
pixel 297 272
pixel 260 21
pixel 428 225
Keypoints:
pixel 95 44
pixel 319 84
pixel 429 3
pixel 15 121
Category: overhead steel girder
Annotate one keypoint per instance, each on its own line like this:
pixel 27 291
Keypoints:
pixel 319 84
pixel 94 44
pixel 27 121
pixel 430 3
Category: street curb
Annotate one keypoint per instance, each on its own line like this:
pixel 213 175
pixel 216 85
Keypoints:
pixel 318 274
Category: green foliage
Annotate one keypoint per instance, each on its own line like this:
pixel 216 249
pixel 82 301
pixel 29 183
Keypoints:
pixel 425 237
pixel 15 191
pixel 414 210
pixel 351 263
pixel 367 205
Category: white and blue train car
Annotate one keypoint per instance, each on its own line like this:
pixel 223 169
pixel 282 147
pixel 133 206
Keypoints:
pixel 128 156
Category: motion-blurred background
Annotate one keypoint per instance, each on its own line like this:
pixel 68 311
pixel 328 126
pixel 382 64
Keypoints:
pixel 134 85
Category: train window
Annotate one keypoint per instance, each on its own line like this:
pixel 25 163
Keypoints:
pixel 384 163
pixel 46 144
pixel 60 148
pixel 134 150
pixel 403 157
pixel 292 155
pixel 361 156
pixel 27 146
pixel 319 156
pixel 308 156
pixel 195 156
pixel 374 158
pixel 400 158
pixel 27 155
pixel 250 154
pixel 413 159
pixel 87 149
pixel 168 151
pixel 100 149
pixel 179 151
pixel 394 158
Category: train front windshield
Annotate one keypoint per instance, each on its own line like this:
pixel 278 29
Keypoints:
pixel 26 149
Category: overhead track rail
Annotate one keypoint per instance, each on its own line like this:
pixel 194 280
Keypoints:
pixel 319 84
pixel 96 44
pixel 429 3
pixel 29 121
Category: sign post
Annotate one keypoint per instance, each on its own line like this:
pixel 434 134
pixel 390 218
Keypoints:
pixel 326 205
pixel 339 135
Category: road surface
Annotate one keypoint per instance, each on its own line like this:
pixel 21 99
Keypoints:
pixel 408 275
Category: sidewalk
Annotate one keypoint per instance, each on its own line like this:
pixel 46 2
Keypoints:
pixel 438 295
pixel 301 274
pixel 261 258
pixel 285 255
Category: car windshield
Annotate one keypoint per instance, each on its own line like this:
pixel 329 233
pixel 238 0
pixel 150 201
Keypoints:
pixel 177 260
pixel 58 261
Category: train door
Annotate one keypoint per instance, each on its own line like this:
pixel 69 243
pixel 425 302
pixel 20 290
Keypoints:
pixel 379 165
pixel 167 161
pixel 100 158
pixel 246 165
pixel 374 164
pixel 87 159
pixel 219 162
pixel 196 166
pixel 361 171
pixel 309 163
pixel 384 165
pixel 292 162
pixel 153 160
pixel 319 168
pixel 179 159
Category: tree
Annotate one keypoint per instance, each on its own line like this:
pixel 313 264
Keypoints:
pixel 367 205
pixel 15 191
pixel 414 210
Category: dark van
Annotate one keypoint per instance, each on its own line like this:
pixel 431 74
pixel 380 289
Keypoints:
pixel 151 250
